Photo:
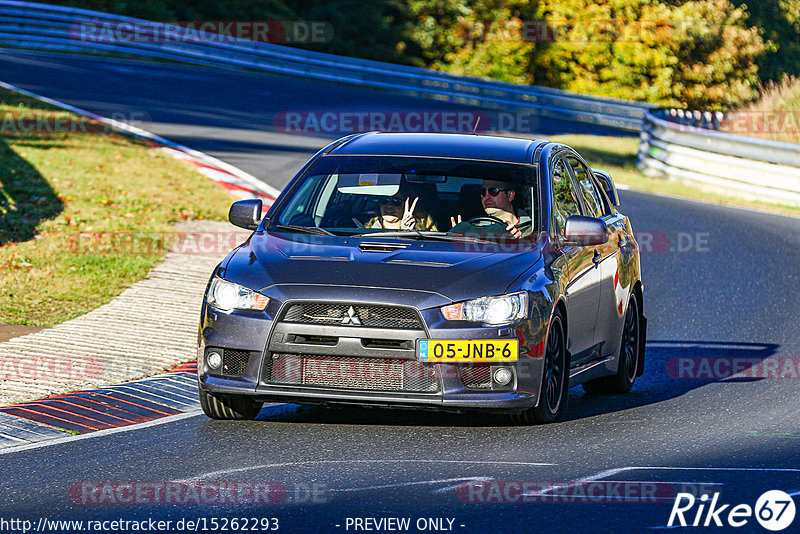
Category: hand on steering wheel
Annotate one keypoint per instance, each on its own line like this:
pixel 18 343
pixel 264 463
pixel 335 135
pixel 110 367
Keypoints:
pixel 510 228
pixel 486 218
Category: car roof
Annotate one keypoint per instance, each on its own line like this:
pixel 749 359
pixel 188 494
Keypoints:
pixel 440 145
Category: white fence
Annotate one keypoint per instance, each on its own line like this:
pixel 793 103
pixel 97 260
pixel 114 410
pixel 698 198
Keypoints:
pixel 682 145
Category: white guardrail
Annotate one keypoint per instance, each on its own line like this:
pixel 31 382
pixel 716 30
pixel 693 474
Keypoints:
pixel 682 145
pixel 57 28
pixel 674 144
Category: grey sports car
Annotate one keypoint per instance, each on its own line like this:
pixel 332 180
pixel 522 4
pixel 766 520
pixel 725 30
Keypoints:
pixel 432 271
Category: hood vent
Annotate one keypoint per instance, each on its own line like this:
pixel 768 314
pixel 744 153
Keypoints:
pixel 421 263
pixel 381 247
pixel 320 258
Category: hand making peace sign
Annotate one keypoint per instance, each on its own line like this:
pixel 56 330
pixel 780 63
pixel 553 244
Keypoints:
pixel 408 222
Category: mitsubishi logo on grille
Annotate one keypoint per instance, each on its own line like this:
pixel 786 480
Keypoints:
pixel 351 317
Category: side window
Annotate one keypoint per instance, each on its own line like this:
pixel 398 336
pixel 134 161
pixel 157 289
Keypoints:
pixel 594 202
pixel 565 201
pixel 299 204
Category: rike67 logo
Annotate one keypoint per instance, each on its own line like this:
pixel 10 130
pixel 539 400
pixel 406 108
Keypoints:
pixel 774 510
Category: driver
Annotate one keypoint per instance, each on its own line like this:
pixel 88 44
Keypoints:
pixel 497 200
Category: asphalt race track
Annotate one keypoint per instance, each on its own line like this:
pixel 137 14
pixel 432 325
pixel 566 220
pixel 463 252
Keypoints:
pixel 720 283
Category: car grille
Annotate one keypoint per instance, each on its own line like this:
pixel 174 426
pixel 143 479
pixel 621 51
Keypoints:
pixel 342 372
pixel 368 315
pixel 234 362
pixel 476 376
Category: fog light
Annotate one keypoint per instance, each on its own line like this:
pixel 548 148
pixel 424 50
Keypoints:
pixel 214 359
pixel 502 376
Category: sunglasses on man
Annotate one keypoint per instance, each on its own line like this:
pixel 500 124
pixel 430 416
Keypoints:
pixel 394 201
pixel 493 191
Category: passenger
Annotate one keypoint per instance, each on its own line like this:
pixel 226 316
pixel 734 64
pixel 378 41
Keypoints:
pixel 398 212
pixel 497 199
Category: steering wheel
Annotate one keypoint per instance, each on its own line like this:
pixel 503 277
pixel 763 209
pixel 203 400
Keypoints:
pixel 486 218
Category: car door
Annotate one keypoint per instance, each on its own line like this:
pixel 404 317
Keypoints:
pixel 606 256
pixel 582 288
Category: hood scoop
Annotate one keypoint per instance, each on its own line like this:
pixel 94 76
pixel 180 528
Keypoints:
pixel 381 247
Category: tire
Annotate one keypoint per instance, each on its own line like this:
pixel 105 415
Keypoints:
pixel 555 378
pixel 628 366
pixel 229 406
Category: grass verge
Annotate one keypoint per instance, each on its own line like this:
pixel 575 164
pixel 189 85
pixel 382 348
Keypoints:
pixel 62 176
pixel 774 116
pixel 617 155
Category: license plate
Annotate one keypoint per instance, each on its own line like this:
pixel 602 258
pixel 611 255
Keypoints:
pixel 464 350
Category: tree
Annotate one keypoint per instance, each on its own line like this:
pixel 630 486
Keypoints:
pixel 780 22
pixel 697 53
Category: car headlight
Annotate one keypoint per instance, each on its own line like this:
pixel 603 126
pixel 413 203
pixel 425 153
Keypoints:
pixel 503 309
pixel 227 296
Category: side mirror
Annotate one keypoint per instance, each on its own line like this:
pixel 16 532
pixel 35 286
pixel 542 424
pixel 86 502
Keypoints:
pixel 246 213
pixel 608 186
pixel 585 231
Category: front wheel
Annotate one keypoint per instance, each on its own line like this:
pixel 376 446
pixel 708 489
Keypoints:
pixel 229 406
pixel 555 378
pixel 628 365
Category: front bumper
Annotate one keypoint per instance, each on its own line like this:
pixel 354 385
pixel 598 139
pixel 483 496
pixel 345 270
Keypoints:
pixel 258 340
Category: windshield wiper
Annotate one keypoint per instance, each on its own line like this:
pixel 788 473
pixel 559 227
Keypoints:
pixel 419 234
pixel 302 229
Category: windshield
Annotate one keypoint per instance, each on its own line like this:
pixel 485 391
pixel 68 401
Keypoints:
pixel 371 195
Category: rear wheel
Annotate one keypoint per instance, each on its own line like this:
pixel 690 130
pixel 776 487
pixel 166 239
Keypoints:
pixel 628 365
pixel 229 406
pixel 555 378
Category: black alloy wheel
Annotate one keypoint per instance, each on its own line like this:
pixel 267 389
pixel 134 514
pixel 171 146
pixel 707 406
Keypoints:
pixel 555 378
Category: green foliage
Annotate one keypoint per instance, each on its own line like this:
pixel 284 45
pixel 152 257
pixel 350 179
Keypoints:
pixel 780 22
pixel 697 53
pixel 491 40
pixel 368 29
